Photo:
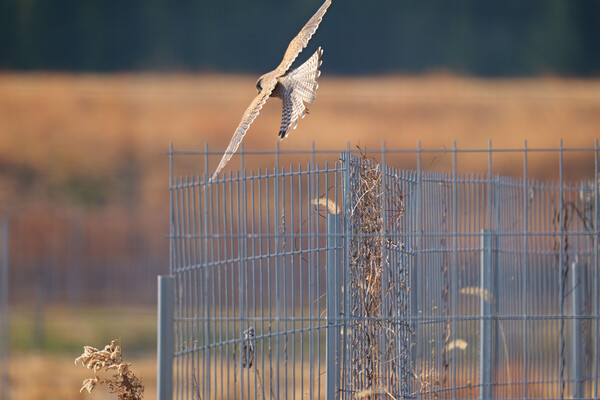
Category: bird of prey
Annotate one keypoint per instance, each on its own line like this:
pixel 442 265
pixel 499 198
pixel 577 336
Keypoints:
pixel 293 87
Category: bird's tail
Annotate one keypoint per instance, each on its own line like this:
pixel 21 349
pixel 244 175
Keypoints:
pixel 299 86
pixel 305 77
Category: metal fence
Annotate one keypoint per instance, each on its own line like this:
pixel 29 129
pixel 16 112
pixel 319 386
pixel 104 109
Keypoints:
pixel 78 258
pixel 356 280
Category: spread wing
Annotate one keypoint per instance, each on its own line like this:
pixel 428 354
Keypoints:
pixel 249 116
pixel 301 40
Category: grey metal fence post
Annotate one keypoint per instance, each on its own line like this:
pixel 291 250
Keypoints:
pixel 577 337
pixel 4 261
pixel 487 326
pixel 416 270
pixel 334 294
pixel 166 307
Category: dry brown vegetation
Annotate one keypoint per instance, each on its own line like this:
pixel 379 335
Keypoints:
pixel 122 382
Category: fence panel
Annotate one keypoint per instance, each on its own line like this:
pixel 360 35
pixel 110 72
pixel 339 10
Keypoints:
pixel 446 285
pixel 249 257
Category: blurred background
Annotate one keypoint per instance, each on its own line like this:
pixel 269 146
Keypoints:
pixel 92 93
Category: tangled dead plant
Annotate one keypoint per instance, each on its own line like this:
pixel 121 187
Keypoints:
pixel 123 382
pixel 379 340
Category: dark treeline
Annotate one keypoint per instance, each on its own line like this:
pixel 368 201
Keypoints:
pixel 479 37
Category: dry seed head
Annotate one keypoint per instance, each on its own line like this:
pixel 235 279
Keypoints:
pixel 89 384
pixel 124 383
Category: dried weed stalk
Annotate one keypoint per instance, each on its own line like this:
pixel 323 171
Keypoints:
pixel 379 341
pixel 123 382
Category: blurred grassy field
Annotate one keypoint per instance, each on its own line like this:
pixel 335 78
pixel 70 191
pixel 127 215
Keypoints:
pixel 65 330
pixel 98 141
pixel 43 347
pixel 100 138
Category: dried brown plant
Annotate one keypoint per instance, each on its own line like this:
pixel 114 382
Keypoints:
pixel 123 382
pixel 378 295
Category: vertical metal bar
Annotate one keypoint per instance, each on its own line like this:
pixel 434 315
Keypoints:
pixel 301 289
pixel 416 272
pixel 195 250
pixel 285 276
pixel 240 275
pixel 550 367
pixel 346 274
pixel 225 285
pixel 486 353
pixel 187 275
pixel 334 266
pixel 215 280
pixel 561 295
pixel 454 270
pixel 166 307
pixel 206 287
pixel 231 326
pixel 311 272
pixel 478 225
pixel 171 212
pixel 489 189
pixel 525 270
pixel 4 287
pixel 596 269
pixel 385 309
pixel 177 264
pixel 276 221
pixel 293 274
pixel 317 301
pixel 185 281
pixel 222 288
pixel 270 290
pixel 577 338
pixel 261 262
pixel 253 256
pixel 244 283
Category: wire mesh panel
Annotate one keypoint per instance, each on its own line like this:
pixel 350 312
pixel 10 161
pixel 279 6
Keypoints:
pixel 249 257
pixel 450 284
pixel 495 285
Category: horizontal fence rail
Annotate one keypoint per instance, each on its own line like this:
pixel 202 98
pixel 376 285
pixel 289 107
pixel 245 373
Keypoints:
pixel 357 278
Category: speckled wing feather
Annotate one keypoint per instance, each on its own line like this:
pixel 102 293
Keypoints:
pixel 249 116
pixel 299 86
pixel 301 40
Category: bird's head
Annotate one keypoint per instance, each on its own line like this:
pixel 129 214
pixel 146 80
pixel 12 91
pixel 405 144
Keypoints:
pixel 259 84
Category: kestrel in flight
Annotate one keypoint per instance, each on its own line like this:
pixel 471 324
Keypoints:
pixel 293 87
